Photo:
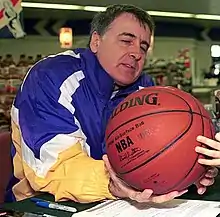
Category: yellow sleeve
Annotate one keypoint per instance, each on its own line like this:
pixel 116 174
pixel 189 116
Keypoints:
pixel 75 176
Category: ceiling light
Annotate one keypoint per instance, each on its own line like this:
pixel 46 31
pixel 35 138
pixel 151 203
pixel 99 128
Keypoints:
pixel 170 14
pixel 207 16
pixel 51 6
pixel 94 8
pixel 99 8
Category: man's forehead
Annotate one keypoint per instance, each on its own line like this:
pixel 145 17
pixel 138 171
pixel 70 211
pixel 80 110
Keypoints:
pixel 129 23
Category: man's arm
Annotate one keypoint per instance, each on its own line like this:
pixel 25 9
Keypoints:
pixel 52 143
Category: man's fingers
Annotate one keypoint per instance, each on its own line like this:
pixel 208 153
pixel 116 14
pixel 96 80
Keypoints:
pixel 140 196
pixel 209 142
pixel 217 136
pixel 208 152
pixel 145 195
pixel 110 169
pixel 201 189
pixel 209 162
pixel 107 163
pixel 212 172
pixel 207 181
pixel 167 197
pixel 104 158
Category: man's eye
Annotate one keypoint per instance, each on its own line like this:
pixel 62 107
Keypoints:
pixel 126 41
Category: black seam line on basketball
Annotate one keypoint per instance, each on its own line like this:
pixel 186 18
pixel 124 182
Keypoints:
pixel 147 90
pixel 212 135
pixel 200 112
pixel 161 151
pixel 187 174
pixel 181 135
pixel 211 129
pixel 190 111
pixel 152 113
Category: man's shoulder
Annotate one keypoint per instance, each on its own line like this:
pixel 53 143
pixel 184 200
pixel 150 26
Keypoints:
pixel 57 68
pixel 53 73
pixel 65 61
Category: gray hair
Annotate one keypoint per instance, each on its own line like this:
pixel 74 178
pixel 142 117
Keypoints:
pixel 102 20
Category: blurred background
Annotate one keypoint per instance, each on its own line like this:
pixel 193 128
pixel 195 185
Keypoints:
pixel 186 51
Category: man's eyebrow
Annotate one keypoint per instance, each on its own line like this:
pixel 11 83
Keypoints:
pixel 134 36
pixel 127 34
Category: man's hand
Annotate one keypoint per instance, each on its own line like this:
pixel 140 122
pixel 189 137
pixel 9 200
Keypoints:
pixel 207 180
pixel 213 161
pixel 213 153
pixel 119 189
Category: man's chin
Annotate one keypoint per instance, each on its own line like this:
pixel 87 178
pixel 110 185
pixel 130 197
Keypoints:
pixel 125 83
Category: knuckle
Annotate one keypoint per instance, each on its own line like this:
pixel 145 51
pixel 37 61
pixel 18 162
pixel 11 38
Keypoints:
pixel 132 196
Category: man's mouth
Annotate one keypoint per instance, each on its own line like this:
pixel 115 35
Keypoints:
pixel 129 66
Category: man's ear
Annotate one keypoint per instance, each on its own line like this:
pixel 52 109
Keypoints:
pixel 94 42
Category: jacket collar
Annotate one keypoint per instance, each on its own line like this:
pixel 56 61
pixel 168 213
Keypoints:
pixel 100 80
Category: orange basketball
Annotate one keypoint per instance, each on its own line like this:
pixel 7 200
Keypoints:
pixel 151 139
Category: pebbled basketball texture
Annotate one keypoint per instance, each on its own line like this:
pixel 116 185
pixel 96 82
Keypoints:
pixel 151 139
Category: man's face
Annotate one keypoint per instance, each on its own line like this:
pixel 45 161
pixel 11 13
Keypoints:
pixel 122 49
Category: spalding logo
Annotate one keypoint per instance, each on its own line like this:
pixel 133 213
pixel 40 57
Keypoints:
pixel 150 99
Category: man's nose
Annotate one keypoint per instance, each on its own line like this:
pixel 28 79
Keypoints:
pixel 135 53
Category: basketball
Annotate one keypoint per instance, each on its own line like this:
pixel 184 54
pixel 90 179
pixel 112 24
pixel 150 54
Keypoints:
pixel 151 139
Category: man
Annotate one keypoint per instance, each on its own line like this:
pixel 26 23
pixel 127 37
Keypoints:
pixel 60 113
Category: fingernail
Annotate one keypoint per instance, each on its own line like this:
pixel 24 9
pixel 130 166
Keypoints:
pixel 183 192
pixel 198 137
pixel 200 161
pixel 217 136
pixel 196 148
pixel 148 191
pixel 176 193
pixel 201 191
